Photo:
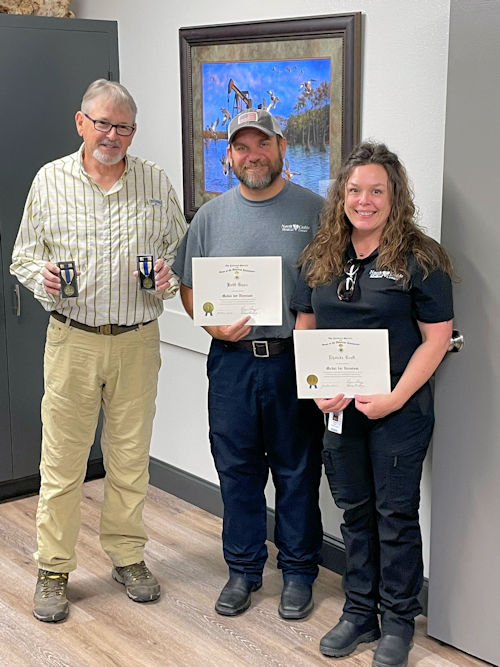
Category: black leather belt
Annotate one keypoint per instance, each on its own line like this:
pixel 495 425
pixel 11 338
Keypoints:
pixel 267 347
pixel 104 329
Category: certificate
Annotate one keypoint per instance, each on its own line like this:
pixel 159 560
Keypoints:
pixel 341 361
pixel 227 288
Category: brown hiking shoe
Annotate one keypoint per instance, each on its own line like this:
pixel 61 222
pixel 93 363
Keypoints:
pixel 49 602
pixel 140 584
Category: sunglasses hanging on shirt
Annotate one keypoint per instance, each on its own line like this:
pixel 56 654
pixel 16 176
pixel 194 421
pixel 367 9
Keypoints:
pixel 345 290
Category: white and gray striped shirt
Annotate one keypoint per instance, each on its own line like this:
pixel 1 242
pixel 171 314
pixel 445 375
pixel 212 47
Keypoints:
pixel 69 217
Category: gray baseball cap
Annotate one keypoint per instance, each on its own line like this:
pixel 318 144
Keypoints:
pixel 260 119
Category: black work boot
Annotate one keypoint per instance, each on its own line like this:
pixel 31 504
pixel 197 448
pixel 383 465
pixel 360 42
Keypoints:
pixel 235 597
pixel 392 651
pixel 345 636
pixel 296 600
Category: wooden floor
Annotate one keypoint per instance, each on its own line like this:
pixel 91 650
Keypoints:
pixel 182 629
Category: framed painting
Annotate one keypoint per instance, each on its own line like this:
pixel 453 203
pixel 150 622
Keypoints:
pixel 305 71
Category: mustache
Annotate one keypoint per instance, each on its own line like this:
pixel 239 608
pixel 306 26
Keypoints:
pixel 259 163
pixel 108 142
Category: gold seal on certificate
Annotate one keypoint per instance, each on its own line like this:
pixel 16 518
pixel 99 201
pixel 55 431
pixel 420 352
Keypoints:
pixel 69 287
pixel 208 308
pixel 145 264
pixel 312 381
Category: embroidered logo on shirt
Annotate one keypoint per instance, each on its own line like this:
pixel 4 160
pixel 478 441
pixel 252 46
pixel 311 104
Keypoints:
pixel 384 274
pixel 155 202
pixel 295 228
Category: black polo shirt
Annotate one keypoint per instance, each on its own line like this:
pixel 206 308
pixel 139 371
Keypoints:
pixel 380 301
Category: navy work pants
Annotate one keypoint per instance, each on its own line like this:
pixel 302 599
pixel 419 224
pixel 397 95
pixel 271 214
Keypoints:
pixel 257 424
pixel 374 469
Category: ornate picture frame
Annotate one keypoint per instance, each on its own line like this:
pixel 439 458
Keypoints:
pixel 305 71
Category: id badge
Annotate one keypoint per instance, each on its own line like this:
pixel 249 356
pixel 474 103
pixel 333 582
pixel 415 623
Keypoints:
pixel 145 264
pixel 69 285
pixel 335 420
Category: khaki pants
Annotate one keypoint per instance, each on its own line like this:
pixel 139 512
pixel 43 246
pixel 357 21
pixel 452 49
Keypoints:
pixel 83 372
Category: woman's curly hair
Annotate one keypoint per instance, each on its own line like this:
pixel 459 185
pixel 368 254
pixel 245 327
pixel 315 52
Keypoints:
pixel 324 257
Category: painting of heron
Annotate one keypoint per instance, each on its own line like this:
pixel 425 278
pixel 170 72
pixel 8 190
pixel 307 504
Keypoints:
pixel 305 71
pixel 296 92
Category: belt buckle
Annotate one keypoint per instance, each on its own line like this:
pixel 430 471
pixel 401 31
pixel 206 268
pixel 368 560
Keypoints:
pixel 257 352
pixel 105 329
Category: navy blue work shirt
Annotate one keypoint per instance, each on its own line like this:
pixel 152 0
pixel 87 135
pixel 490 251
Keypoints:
pixel 381 301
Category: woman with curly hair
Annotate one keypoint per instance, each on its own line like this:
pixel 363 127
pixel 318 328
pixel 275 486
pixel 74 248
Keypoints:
pixel 371 266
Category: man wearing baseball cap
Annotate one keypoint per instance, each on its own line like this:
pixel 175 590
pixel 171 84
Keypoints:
pixel 257 424
pixel 260 119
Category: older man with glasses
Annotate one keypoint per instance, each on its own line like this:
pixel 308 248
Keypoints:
pixel 99 232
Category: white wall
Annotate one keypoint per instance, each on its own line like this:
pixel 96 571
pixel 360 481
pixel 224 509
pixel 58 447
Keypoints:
pixel 404 64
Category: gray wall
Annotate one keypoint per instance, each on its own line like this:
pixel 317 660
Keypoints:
pixel 464 585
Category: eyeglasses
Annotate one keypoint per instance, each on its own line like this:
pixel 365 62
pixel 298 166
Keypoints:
pixel 345 290
pixel 104 126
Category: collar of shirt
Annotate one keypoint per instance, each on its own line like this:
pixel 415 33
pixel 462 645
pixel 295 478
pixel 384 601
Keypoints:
pixel 116 187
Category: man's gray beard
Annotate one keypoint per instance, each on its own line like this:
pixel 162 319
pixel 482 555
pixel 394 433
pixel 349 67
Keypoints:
pixel 262 182
pixel 107 159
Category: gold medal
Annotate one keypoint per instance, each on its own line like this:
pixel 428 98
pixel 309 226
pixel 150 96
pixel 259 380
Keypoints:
pixel 147 282
pixel 69 290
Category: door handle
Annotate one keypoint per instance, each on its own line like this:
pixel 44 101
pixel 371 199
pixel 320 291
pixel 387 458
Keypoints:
pixel 456 341
pixel 17 301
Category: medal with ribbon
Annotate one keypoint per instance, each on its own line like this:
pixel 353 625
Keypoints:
pixel 67 274
pixel 145 265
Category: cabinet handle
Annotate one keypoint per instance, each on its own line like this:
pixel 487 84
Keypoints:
pixel 17 301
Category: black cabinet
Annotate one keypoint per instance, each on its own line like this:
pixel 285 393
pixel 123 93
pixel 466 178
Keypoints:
pixel 45 66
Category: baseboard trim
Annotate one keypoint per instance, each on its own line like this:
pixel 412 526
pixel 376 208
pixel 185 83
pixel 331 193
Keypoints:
pixel 206 495
pixel 29 486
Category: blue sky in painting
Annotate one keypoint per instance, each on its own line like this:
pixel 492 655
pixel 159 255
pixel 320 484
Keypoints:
pixel 285 79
